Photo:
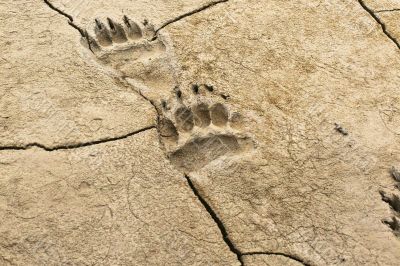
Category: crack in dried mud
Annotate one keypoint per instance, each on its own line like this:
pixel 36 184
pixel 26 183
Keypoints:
pixel 74 146
pixel 216 219
pixel 69 17
pixel 225 234
pixel 190 13
pixel 387 10
pixel 291 257
pixel 58 10
pixel 377 19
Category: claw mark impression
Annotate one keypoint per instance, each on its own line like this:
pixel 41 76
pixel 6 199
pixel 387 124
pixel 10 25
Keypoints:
pixel 126 46
pixel 198 133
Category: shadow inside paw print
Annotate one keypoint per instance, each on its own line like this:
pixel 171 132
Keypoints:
pixel 111 35
pixel 394 224
pixel 393 199
pixel 199 133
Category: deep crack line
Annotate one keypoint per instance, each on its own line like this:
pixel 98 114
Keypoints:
pixel 387 10
pixel 377 19
pixel 225 234
pixel 291 257
pixel 180 17
pixel 216 219
pixel 69 17
pixel 74 146
pixel 58 10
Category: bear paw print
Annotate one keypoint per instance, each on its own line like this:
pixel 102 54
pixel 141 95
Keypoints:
pixel 125 46
pixel 198 131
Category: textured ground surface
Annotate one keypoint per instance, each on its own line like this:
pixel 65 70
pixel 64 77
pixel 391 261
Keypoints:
pixel 184 132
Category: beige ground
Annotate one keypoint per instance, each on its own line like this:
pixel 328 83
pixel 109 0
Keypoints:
pixel 187 132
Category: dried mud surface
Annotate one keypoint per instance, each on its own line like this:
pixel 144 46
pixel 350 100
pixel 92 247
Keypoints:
pixel 212 132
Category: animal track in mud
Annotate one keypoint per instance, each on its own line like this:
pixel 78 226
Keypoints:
pixel 127 47
pixel 198 131
pixel 394 202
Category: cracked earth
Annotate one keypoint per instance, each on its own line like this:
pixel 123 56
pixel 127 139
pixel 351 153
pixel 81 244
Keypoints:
pixel 230 132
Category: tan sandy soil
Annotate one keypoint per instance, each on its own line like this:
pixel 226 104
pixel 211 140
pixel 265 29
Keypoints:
pixel 183 132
